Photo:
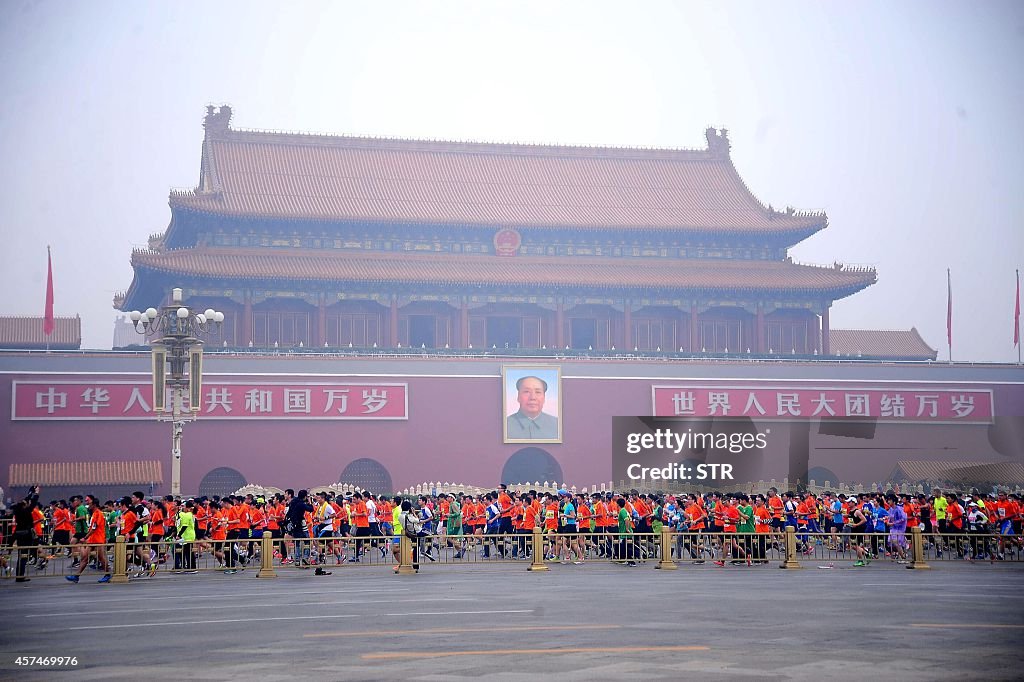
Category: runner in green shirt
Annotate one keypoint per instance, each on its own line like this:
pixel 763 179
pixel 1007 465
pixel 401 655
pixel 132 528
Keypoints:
pixel 112 515
pixel 185 558
pixel 453 526
pixel 746 525
pixel 81 519
pixel 625 534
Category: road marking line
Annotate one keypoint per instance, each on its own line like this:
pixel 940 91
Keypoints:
pixel 243 606
pixel 225 620
pixel 457 613
pixel 974 595
pixel 324 616
pixel 392 655
pixel 219 595
pixel 452 631
pixel 966 625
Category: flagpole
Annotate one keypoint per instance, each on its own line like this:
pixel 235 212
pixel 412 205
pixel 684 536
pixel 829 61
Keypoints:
pixel 949 314
pixel 1016 319
pixel 49 271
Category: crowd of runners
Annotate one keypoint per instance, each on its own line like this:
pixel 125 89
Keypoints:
pixel 313 531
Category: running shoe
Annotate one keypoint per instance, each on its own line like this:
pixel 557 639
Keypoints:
pixel 71 578
pixel 859 563
pixel 104 579
pixel 720 564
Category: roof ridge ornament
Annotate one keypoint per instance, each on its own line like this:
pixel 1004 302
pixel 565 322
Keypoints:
pixel 718 142
pixel 217 122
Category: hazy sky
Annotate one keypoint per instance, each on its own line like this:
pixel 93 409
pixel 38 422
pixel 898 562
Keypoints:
pixel 903 120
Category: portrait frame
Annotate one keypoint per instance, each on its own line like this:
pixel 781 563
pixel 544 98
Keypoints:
pixel 511 417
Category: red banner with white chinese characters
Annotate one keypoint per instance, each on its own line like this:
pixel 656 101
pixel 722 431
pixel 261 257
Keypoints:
pixel 221 400
pixel 888 404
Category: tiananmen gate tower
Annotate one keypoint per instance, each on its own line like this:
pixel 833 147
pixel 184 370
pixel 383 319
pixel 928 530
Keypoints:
pixel 328 240
pixel 383 300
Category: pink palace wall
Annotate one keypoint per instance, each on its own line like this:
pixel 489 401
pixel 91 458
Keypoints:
pixel 454 429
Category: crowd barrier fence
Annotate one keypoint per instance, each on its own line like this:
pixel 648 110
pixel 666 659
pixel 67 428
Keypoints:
pixel 538 550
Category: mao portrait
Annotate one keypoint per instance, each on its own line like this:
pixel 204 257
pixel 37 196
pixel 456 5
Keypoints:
pixel 532 403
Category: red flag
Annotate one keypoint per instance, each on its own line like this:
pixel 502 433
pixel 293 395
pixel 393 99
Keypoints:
pixel 949 309
pixel 48 315
pixel 1016 314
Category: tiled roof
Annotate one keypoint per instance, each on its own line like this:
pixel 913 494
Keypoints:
pixel 882 343
pixel 264 264
pixel 86 473
pixel 27 332
pixel 959 473
pixel 338 178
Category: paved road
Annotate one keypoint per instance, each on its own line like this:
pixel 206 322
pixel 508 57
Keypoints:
pixel 580 623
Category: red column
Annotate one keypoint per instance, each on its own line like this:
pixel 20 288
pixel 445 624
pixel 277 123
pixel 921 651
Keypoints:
pixel 321 322
pixel 627 327
pixel 394 321
pixel 560 325
pixel 464 325
pixel 825 345
pixel 682 333
pixel 247 320
pixel 694 330
pixel 759 332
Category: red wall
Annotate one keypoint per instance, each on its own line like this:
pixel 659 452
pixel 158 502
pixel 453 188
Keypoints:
pixel 454 433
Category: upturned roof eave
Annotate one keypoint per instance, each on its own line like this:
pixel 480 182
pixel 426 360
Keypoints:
pixel 830 293
pixel 792 233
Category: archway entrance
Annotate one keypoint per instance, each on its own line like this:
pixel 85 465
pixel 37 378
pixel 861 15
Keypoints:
pixel 531 464
pixel 221 481
pixel 368 474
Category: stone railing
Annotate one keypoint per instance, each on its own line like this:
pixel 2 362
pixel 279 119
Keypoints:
pixel 547 487
pixel 258 490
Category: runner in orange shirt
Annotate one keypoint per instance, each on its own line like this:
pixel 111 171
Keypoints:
pixel 762 526
pixel 131 529
pixel 170 513
pixel 599 512
pixel 202 525
pixel 584 514
pixel 230 513
pixel 777 507
pixel 361 522
pixel 95 539
pixel 505 511
pixel 62 526
pixel 730 519
pixel 218 532
pixel 157 514
pixel 473 516
pixel 696 522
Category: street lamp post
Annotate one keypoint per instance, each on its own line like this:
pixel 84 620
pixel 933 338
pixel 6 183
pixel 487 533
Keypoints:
pixel 174 332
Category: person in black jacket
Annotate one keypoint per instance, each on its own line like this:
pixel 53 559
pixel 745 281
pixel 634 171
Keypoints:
pixel 24 533
pixel 294 521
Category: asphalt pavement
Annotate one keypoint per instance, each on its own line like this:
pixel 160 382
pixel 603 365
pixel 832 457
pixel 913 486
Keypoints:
pixel 590 622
